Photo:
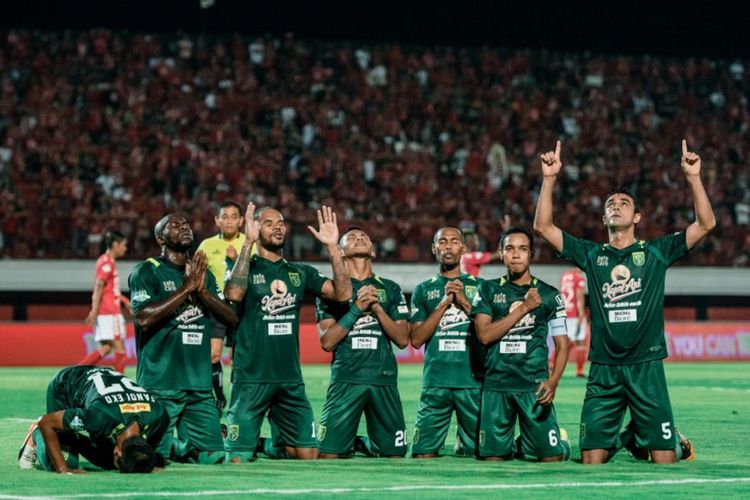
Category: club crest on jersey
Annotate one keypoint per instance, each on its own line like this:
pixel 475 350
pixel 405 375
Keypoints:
pixel 233 432
pixel 382 296
pixel 294 278
pixel 470 291
pixel 639 258
pixel 602 260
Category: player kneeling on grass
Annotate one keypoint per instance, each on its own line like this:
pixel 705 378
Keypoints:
pixel 123 421
pixel 361 334
pixel 513 316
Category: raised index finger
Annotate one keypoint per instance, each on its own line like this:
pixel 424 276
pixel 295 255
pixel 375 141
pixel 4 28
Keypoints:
pixel 684 147
pixel 557 149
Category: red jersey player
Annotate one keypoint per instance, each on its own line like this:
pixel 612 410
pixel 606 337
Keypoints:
pixel 106 315
pixel 573 290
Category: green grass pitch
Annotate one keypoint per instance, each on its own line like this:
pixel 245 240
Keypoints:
pixel 711 404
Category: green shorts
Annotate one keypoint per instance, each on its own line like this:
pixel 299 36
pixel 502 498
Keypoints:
pixel 343 409
pixel 640 387
pixel 540 434
pixel 289 413
pixel 436 405
pixel 194 415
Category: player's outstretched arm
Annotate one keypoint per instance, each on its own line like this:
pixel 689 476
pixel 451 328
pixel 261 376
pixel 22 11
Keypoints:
pixel 236 285
pixel 340 288
pixel 543 224
pixel 705 220
pixel 49 425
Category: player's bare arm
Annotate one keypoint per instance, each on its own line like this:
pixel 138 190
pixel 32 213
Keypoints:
pixel 705 220
pixel 218 308
pixel 156 312
pixel 49 424
pixel 490 331
pixel 543 224
pixel 545 393
pixel 237 284
pixel 420 332
pixel 340 288
pixel 96 300
pixel 332 333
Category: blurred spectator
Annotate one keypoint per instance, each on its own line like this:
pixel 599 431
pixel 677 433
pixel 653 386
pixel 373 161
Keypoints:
pixel 111 125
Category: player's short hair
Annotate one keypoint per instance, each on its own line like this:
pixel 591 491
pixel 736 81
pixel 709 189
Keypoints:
pixel 159 227
pixel 228 204
pixel 349 229
pixel 626 191
pixel 460 232
pixel 256 216
pixel 111 237
pixel 137 456
pixel 518 230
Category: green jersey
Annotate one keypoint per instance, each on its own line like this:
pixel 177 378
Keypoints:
pixel 365 355
pixel 453 354
pixel 518 362
pixel 626 289
pixel 103 403
pixel 267 338
pixel 175 353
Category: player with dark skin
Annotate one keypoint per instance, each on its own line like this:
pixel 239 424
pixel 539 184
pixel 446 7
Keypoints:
pixel 175 237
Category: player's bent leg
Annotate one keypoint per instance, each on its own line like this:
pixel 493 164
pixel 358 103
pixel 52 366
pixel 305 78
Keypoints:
pixel 497 420
pixel 340 419
pixel 292 419
pixel 432 422
pixel 541 436
pixel 663 456
pixel 602 413
pixel 199 430
pixel 385 421
pixel 248 406
pixel 467 403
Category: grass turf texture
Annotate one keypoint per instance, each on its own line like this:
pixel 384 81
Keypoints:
pixel 711 404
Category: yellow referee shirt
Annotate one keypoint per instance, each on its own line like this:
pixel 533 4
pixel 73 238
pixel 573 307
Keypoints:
pixel 215 249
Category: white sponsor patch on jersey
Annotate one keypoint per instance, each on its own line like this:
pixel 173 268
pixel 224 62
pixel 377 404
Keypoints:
pixel 623 316
pixel 192 338
pixel 452 345
pixel 279 328
pixel 512 347
pixel 365 343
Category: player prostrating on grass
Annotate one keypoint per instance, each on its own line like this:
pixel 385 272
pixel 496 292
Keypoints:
pixel 451 380
pixel 100 414
pixel 361 334
pixel 221 253
pixel 266 373
pixel 514 315
pixel 175 301
pixel 626 289
pixel 106 304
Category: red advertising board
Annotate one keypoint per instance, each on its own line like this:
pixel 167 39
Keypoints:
pixel 58 344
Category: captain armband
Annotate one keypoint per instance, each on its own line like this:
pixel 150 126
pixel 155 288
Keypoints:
pixel 347 321
pixel 557 327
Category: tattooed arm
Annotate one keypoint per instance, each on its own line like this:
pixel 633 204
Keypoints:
pixel 237 284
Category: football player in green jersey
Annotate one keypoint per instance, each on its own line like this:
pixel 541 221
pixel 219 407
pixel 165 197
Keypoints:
pixel 451 380
pixel 266 373
pixel 122 423
pixel 175 302
pixel 514 316
pixel 626 282
pixel 361 334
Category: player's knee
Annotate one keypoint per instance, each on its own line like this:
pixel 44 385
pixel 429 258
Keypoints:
pixel 302 453
pixel 239 457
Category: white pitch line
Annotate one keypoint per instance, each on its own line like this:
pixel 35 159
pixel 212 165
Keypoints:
pixel 393 489
pixel 16 420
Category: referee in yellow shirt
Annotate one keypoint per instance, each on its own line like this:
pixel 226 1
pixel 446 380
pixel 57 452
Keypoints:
pixel 222 251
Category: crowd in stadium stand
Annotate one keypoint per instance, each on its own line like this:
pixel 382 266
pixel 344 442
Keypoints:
pixel 105 129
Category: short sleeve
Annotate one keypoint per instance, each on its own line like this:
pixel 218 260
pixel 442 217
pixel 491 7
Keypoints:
pixel 418 308
pixel 143 287
pixel 576 250
pixel 481 303
pixel 104 270
pixel 314 281
pixel 398 310
pixel 672 247
pixel 322 309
